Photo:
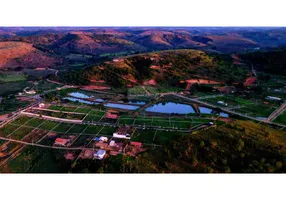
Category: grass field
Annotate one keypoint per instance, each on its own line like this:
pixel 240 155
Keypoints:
pixel 230 100
pixel 162 137
pixel 172 122
pixel 12 77
pixel 7 129
pixel 107 131
pixel 77 128
pixel 48 125
pixel 11 105
pixel 145 136
pixel 35 122
pixel 45 85
pixel 281 119
pixel 20 133
pixel 63 127
pixel 260 110
pixel 13 87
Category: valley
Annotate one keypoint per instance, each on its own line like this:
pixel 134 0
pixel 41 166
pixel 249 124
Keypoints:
pixel 142 101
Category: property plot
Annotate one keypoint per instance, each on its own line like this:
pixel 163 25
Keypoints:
pixel 59 114
pixel 107 131
pixel 147 122
pixel 35 122
pixel 94 118
pixel 126 120
pixel 181 124
pixel 163 137
pixel 160 123
pixel 68 109
pixel 77 128
pixel 63 127
pixel 35 135
pixel 20 133
pixel 82 110
pixel 7 129
pixel 48 125
pixel 92 130
pixel 47 164
pixel 259 110
pixel 55 107
pixel 82 141
pixel 49 139
pixel 145 136
pixel 24 161
pixel 21 120
pixel 97 112
pixel 281 119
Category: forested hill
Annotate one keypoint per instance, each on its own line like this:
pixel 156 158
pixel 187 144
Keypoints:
pixel 269 61
pixel 164 67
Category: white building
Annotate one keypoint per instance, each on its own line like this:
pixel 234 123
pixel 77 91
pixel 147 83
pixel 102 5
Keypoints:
pixel 222 103
pixel 41 105
pixel 273 98
pixel 100 154
pixel 31 92
pixel 124 136
pixel 103 139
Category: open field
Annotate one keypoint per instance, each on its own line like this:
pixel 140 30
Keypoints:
pixel 12 77
pixel 13 87
pixel 11 105
pixel 281 119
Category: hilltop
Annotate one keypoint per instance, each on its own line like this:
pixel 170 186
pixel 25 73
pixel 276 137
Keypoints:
pixel 170 67
pixel 73 46
pixel 21 54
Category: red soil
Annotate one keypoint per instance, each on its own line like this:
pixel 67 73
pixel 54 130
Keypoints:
pixel 150 82
pixel 24 55
pixel 155 67
pixel 250 81
pixel 95 87
pixel 201 81
pixel 96 81
pixel 3 117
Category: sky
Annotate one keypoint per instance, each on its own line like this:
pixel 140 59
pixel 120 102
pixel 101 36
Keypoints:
pixel 142 13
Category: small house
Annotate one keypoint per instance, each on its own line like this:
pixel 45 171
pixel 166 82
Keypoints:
pixel 136 144
pixel 41 105
pixel 123 132
pixel 61 142
pixel 273 98
pixel 103 139
pixel 100 154
pixel 222 103
pixel 112 143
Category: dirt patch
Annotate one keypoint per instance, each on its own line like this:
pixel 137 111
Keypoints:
pixel 250 81
pixel 202 81
pixel 3 117
pixel 95 87
pixel 70 156
pixel 150 82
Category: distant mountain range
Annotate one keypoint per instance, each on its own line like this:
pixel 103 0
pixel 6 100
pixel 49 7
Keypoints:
pixel 52 46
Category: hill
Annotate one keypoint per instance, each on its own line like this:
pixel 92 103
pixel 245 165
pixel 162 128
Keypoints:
pixel 21 54
pixel 169 67
pixel 63 42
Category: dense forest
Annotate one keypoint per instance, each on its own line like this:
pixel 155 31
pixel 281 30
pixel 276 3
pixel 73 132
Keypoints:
pixel 273 62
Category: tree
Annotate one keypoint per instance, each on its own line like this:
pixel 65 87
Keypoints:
pixel 239 145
